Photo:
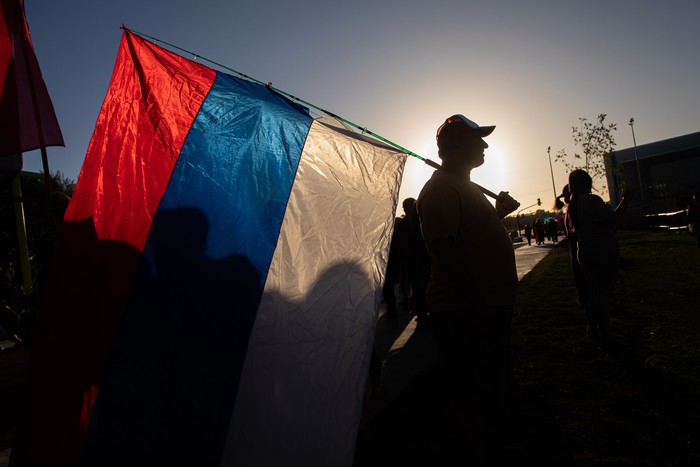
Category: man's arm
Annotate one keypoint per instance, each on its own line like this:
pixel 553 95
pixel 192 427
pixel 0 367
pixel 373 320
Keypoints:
pixel 505 204
pixel 610 218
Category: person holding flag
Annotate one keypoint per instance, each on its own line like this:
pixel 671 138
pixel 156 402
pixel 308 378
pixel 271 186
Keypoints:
pixel 472 288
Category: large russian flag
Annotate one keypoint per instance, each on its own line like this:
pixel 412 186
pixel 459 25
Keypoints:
pixel 213 296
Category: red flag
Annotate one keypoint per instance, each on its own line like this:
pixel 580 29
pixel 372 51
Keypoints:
pixel 28 119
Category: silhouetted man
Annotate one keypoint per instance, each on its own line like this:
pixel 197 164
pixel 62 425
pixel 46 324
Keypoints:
pixel 472 288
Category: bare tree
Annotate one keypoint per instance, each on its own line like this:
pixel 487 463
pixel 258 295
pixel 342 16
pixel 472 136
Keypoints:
pixel 597 141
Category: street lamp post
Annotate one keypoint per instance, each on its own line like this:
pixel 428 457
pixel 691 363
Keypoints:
pixel 551 172
pixel 583 144
pixel 636 158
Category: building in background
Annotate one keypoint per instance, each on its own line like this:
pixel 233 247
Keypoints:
pixel 664 174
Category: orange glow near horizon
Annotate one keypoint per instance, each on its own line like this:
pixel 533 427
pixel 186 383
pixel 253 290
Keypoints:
pixel 493 174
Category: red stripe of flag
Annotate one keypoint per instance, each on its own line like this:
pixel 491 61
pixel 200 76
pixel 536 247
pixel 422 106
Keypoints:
pixel 126 171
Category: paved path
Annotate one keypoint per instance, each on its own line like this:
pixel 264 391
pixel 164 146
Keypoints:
pixel 406 351
pixel 527 257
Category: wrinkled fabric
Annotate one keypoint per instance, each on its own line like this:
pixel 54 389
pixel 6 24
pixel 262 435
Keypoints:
pixel 26 112
pixel 312 338
pixel 218 276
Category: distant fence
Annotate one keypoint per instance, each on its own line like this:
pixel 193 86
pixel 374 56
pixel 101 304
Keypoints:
pixel 662 221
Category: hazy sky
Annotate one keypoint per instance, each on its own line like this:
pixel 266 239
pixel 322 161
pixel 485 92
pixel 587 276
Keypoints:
pixel 400 67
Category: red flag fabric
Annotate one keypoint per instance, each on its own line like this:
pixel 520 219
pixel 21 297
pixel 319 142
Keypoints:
pixel 26 112
pixel 127 168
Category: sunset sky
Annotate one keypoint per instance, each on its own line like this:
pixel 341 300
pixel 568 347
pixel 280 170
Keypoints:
pixel 399 68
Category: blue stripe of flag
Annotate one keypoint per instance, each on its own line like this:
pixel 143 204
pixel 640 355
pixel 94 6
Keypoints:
pixel 170 384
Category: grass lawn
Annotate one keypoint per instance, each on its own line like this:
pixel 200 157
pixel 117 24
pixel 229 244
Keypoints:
pixel 574 403
pixel 636 403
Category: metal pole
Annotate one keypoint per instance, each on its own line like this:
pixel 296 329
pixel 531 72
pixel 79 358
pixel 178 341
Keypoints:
pixel 526 207
pixel 636 158
pixel 517 215
pixel 551 171
pixel 22 242
pixel 583 145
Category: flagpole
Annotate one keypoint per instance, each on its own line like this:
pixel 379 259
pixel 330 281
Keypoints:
pixel 48 211
pixel 44 155
pixel 24 251
pixel 364 130
pixel 22 242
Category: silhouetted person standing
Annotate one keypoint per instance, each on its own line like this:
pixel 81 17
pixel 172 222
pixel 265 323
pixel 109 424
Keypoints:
pixel 579 277
pixel 393 266
pixel 693 213
pixel 415 254
pixel 528 234
pixel 538 227
pixel 594 221
pixel 472 288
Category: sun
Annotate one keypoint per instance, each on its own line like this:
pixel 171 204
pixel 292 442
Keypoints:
pixel 417 172
pixel 493 174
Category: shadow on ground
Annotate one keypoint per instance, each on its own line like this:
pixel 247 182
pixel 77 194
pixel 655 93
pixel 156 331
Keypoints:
pixel 417 430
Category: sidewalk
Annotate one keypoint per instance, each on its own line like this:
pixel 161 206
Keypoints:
pixel 406 422
pixel 406 352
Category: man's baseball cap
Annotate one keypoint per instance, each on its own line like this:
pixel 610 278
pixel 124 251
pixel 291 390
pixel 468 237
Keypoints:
pixel 459 125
